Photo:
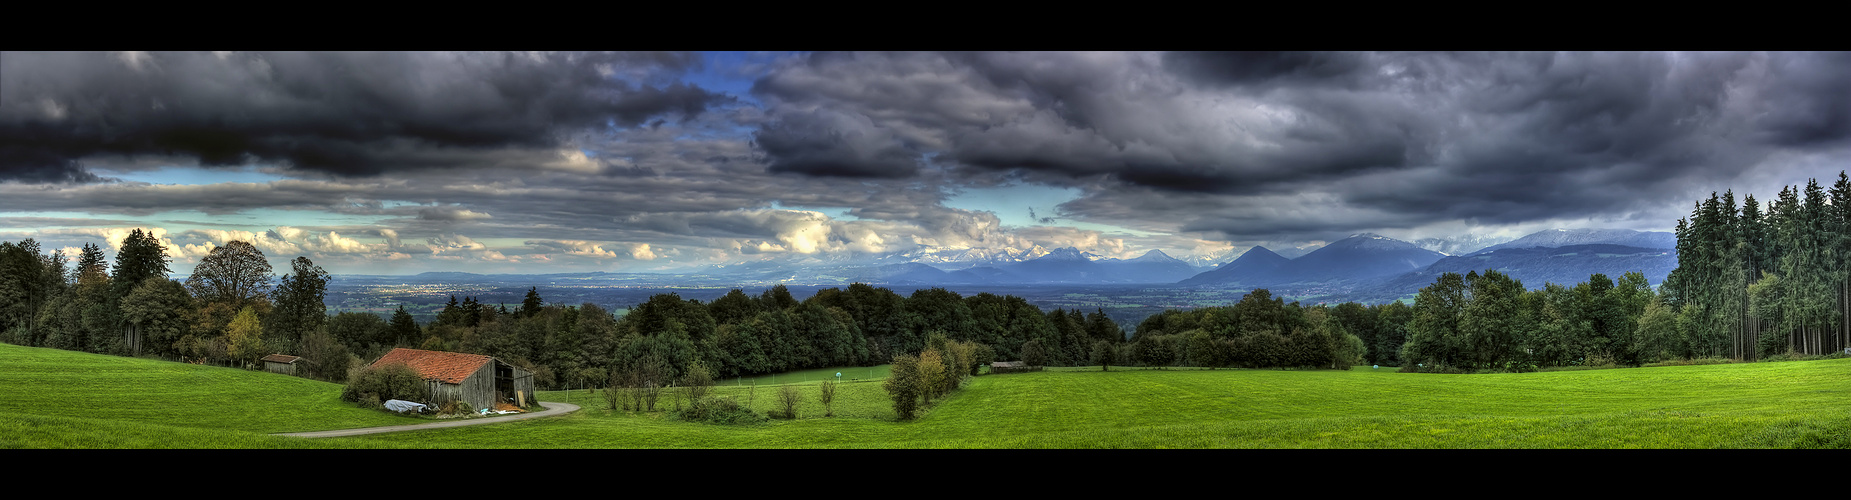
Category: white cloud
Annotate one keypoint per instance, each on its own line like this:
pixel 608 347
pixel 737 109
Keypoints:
pixel 571 247
pixel 575 161
pixel 641 251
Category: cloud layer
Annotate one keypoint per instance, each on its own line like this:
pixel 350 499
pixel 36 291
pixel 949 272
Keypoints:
pixel 624 161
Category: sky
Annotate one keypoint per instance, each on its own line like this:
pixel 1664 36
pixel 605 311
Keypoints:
pixel 545 162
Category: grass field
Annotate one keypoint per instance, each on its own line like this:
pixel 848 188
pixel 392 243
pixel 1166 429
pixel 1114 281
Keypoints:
pixel 54 399
pixel 61 399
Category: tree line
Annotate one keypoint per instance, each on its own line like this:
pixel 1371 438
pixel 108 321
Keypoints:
pixel 1756 281
pixel 231 310
pixel 1753 282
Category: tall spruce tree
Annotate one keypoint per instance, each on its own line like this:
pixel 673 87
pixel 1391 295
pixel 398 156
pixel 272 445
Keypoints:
pixel 300 300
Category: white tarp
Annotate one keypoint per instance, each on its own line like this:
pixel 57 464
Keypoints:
pixel 404 406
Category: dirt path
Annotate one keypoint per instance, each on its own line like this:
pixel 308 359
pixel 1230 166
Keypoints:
pixel 552 409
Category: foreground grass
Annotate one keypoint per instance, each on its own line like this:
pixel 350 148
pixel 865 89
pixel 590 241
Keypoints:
pixel 58 399
pixel 37 431
pixel 861 400
pixel 1769 405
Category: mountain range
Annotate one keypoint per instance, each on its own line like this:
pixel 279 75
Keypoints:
pixel 1363 267
pixel 1356 258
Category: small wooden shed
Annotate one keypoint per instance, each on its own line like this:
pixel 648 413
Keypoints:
pixel 478 380
pixel 1009 367
pixel 281 363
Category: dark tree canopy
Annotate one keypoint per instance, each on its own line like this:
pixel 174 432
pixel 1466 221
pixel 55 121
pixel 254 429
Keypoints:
pixel 141 257
pixel 236 273
pixel 300 301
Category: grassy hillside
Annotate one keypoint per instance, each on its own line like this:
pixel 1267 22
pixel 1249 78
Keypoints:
pixel 58 399
pixel 64 399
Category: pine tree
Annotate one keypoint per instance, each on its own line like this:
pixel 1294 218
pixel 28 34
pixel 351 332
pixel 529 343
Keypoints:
pixel 404 329
pixel 300 301
pixel 141 257
pixel 530 305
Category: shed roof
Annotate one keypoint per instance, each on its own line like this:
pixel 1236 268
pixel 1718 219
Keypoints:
pixel 282 358
pixel 447 367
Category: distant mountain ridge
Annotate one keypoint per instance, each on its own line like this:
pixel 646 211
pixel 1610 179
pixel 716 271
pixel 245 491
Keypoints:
pixel 1459 245
pixel 1357 257
pixel 1534 267
pixel 1557 238
pixel 1257 265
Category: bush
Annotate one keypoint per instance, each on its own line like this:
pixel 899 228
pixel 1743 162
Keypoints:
pixel 826 394
pixel 789 398
pixel 381 383
pixel 717 410
pixel 983 357
pixel 1032 353
pixel 456 407
pixel 904 386
pixel 1600 359
pixel 1696 361
pixel 698 381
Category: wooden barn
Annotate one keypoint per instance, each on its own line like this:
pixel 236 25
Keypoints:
pixel 281 363
pixel 478 380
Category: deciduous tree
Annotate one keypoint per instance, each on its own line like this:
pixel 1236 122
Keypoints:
pixel 235 274
pixel 244 337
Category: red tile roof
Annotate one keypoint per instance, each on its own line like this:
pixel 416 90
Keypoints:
pixel 448 367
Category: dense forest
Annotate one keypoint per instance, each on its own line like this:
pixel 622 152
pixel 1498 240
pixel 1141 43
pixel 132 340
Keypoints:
pixel 1752 283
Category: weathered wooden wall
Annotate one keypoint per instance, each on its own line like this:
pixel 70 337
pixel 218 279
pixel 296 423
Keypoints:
pixel 478 389
pixel 523 382
pixel 283 368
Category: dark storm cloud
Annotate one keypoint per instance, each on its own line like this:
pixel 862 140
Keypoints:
pixel 1384 139
pixel 339 113
pixel 1087 115
pixel 1268 68
pixel 1813 107
pixel 834 144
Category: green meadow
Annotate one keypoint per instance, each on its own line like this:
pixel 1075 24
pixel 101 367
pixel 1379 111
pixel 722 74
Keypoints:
pixel 59 399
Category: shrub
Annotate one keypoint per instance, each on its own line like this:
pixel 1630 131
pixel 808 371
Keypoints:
pixel 717 410
pixel 323 358
pixel 826 394
pixel 1033 354
pixel 932 374
pixel 456 407
pixel 983 356
pixel 1599 359
pixel 381 383
pixel 618 397
pixel 904 386
pixel 697 381
pixel 789 398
